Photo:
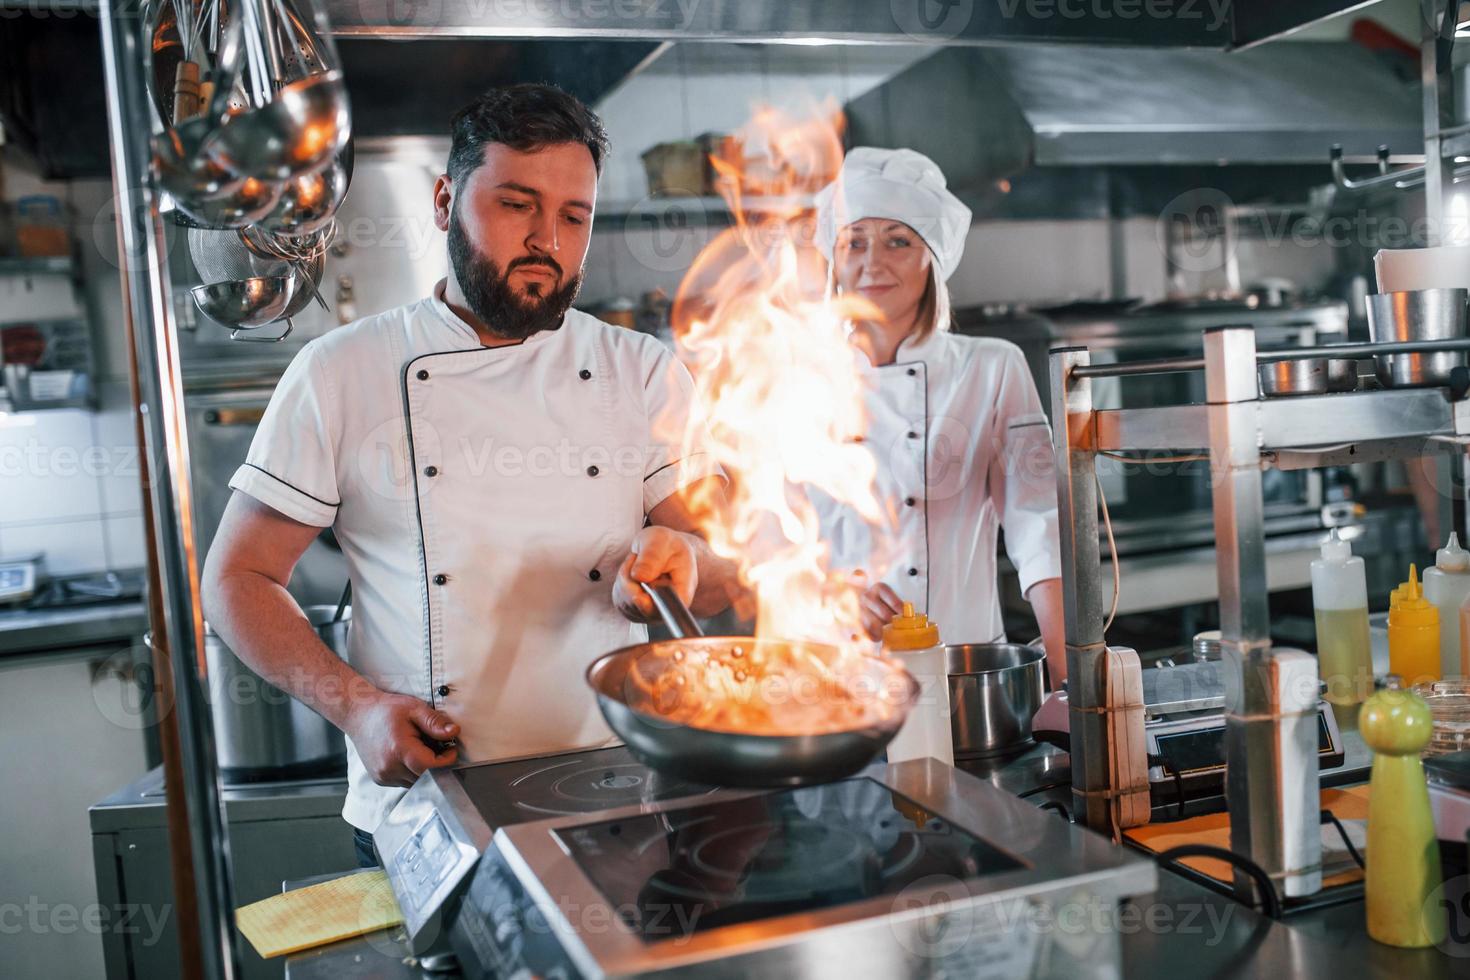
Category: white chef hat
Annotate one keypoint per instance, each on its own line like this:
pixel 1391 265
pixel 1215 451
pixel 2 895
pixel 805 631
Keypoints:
pixel 899 185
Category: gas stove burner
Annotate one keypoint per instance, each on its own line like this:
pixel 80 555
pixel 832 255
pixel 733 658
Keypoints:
pixel 574 786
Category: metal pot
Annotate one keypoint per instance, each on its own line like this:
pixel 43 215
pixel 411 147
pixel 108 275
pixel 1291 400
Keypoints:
pixel 262 733
pixel 1425 314
pixel 994 690
pixel 1300 377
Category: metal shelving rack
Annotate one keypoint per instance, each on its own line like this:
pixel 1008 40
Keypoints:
pixel 1271 695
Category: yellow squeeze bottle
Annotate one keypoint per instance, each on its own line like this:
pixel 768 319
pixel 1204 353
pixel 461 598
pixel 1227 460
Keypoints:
pixel 1413 635
pixel 913 641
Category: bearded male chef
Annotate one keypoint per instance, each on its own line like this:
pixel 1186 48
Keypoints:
pixel 488 459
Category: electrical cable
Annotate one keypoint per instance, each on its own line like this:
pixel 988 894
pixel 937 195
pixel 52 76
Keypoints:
pixel 1270 901
pixel 1058 808
pixel 1329 817
pixel 1058 784
pixel 1112 553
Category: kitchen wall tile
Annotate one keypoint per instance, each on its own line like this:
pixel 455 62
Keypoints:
pixel 49 467
pixel 126 546
pixel 71 548
pixel 114 435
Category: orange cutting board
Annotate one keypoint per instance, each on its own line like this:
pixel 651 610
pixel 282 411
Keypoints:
pixel 318 914
pixel 1214 828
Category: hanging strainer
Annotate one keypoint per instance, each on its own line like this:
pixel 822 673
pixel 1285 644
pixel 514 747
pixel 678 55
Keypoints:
pixel 220 256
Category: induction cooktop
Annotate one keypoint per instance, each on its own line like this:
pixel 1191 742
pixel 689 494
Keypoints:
pixel 909 869
pixel 707 865
pixel 432 838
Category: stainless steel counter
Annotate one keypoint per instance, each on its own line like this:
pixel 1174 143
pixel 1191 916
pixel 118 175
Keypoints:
pixel 278 831
pixel 141 803
pixel 1182 929
pixel 34 630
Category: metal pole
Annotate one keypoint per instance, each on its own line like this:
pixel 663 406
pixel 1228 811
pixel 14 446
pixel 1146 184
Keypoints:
pixel 1270 697
pixel 1081 588
pixel 1438 107
pixel 155 368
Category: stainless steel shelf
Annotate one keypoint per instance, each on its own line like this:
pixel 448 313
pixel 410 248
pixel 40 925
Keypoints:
pixel 42 265
pixel 1385 424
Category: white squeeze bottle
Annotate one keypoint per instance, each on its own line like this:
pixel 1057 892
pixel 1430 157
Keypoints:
pixel 914 642
pixel 1447 586
pixel 1340 599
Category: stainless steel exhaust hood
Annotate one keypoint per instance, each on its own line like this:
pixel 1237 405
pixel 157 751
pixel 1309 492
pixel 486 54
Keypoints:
pixel 987 114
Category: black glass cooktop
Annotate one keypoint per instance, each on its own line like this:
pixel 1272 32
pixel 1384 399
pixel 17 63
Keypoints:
pixel 672 873
pixel 578 782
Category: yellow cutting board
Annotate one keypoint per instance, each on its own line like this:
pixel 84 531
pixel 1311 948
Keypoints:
pixel 318 914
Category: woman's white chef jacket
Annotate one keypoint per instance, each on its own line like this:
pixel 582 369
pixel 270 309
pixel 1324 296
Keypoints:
pixel 963 450
pixel 484 498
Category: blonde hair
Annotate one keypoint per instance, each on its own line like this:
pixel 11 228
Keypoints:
pixel 935 312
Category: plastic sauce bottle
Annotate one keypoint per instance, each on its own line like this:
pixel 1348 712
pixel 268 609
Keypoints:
pixel 1404 868
pixel 1465 639
pixel 1340 600
pixel 1413 635
pixel 914 642
pixel 1447 586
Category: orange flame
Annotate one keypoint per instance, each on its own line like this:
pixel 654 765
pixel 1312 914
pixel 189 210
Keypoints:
pixel 778 379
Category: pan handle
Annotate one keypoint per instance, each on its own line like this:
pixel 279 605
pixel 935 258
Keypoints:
pixel 676 615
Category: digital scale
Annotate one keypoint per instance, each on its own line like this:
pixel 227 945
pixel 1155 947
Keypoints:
pixel 590 865
pixel 1185 731
pixel 18 578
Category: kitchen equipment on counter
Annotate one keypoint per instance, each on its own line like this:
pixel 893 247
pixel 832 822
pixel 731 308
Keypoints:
pixel 432 838
pixel 1448 778
pixel 1342 374
pixel 913 640
pixel 675 169
pixel 909 869
pixel 736 758
pixel 21 577
pixel 1425 314
pixel 1307 376
pixel 995 689
pixel 40 227
pixel 260 732
pixel 1449 711
pixel 1185 733
pixel 1412 269
pixel 1340 613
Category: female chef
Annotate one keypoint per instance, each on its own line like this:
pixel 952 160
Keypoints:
pixel 955 423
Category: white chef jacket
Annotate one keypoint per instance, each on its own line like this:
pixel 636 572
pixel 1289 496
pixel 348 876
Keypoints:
pixel 484 498
pixel 963 450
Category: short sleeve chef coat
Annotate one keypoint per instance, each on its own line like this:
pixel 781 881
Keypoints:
pixel 963 450
pixel 484 498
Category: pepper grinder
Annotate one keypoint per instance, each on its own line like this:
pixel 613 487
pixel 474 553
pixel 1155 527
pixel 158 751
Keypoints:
pixel 1403 852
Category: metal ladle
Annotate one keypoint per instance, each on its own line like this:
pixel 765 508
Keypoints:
pixel 303 126
pixel 309 202
pixel 251 201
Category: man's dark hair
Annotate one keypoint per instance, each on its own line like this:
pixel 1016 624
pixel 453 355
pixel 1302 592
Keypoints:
pixel 523 117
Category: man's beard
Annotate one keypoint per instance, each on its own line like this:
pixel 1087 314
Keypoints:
pixel 488 292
